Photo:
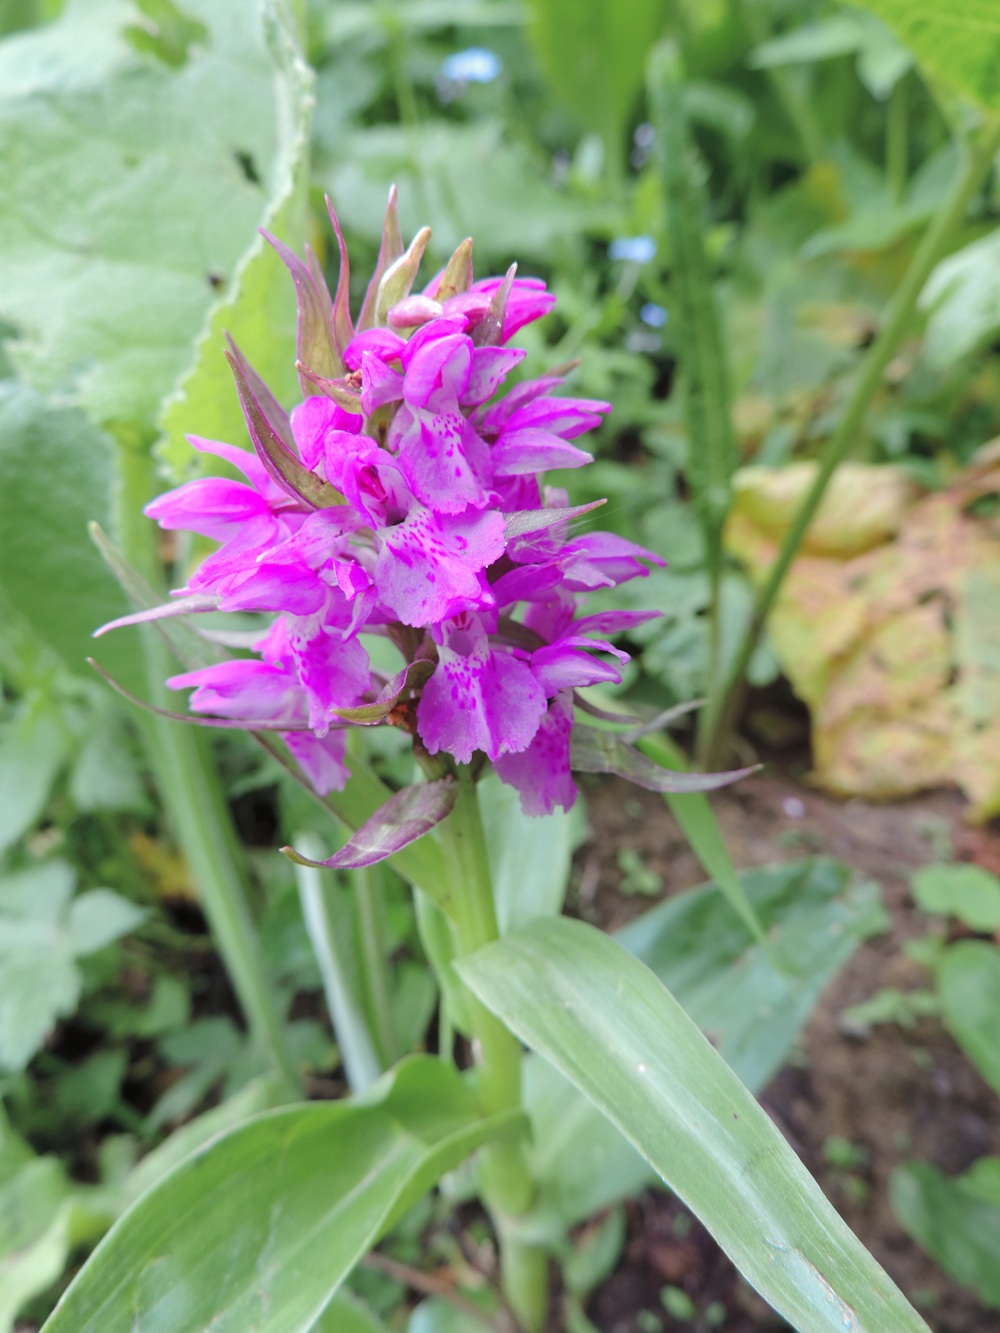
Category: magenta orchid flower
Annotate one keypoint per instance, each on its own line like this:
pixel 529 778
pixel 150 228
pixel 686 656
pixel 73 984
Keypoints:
pixel 404 499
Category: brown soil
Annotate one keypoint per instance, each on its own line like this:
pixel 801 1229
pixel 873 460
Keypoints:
pixel 896 1094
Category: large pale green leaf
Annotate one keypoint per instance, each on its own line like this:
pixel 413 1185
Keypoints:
pixel 130 189
pixel 259 310
pixel 57 475
pixel 751 1002
pixel 259 1228
pixel 956 40
pixel 606 1022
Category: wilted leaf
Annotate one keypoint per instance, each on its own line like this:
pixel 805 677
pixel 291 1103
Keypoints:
pixel 403 819
pixel 891 643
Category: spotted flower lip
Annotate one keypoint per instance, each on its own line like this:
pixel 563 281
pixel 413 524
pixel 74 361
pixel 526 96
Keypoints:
pixel 404 499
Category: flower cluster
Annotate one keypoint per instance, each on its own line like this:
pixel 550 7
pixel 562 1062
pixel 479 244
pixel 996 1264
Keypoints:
pixel 403 500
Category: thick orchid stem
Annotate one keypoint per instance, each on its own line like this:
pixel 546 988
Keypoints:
pixel 506 1182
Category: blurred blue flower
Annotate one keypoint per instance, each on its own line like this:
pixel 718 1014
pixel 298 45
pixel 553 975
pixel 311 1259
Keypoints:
pixel 633 249
pixel 475 65
pixel 654 315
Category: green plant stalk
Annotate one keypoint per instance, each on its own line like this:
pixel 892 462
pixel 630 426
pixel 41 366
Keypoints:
pixel 897 140
pixel 361 1060
pixel 505 1180
pixel 712 449
pixel 723 703
pixel 369 906
pixel 195 804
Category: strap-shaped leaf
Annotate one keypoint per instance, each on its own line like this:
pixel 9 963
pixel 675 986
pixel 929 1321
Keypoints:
pixel 403 819
pixel 258 1229
pixel 593 751
pixel 606 1022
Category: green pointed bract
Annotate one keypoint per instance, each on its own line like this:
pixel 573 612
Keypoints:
pixel 489 331
pixel 457 274
pixel 281 464
pixel 400 276
pixel 315 344
pixel 343 329
pixel 403 819
pixel 389 251
pixel 272 409
pixel 340 390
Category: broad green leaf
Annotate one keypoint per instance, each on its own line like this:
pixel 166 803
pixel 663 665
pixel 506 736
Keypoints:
pixel 953 1222
pixel 259 1228
pixel 958 41
pixel 968 982
pixel 58 475
pixel 749 1002
pixel 50 1219
pixel 39 981
pixel 966 891
pixel 32 751
pixel 99 917
pixel 529 858
pixel 607 1023
pixel 963 297
pixel 259 1095
pixel 593 56
pixel 347 1314
pixel 129 193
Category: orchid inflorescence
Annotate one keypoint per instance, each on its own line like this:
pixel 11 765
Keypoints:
pixel 402 499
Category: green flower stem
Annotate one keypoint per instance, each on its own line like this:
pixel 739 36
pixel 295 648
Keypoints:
pixel 897 140
pixel 724 701
pixel 506 1182
pixel 369 904
pixel 195 804
pixel 712 449
pixel 333 950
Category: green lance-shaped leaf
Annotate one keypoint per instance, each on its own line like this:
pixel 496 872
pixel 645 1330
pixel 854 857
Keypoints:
pixel 409 814
pixel 606 1023
pixel 281 464
pixel 593 751
pixel 259 1228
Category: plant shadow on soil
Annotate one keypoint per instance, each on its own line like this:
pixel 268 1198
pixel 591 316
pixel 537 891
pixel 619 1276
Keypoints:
pixel 891 1095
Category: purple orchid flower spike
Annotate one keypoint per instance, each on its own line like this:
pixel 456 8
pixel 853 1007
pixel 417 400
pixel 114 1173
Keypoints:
pixel 405 500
